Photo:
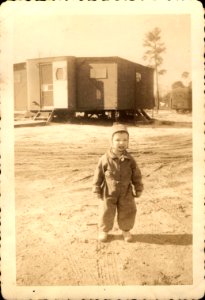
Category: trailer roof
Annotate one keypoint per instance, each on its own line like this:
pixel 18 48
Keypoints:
pixel 50 58
pixel 111 58
pixel 91 58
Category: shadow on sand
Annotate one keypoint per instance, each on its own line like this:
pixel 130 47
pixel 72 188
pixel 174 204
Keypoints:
pixel 159 239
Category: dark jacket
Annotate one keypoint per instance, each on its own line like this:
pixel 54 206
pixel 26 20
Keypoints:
pixel 117 176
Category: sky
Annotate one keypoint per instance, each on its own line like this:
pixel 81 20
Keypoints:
pixel 56 34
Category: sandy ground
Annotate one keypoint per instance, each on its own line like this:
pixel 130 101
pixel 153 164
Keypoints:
pixel 57 215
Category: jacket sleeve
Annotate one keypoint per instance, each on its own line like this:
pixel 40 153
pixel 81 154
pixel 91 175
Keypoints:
pixel 136 177
pixel 98 178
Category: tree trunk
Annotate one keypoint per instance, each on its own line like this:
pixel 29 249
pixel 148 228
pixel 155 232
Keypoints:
pixel 157 89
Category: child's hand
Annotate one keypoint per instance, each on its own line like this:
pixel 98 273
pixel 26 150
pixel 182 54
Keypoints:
pixel 98 196
pixel 138 194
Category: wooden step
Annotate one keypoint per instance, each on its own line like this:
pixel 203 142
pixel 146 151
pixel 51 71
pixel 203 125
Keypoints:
pixel 44 115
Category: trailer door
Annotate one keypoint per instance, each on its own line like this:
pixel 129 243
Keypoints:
pixel 60 84
pixel 46 86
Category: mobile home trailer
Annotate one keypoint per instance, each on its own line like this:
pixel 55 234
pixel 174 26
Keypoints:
pixel 92 85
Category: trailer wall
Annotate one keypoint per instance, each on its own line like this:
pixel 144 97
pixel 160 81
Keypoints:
pixel 126 85
pixel 20 87
pixel 144 87
pixel 71 85
pixel 33 85
pixel 96 85
pixel 52 83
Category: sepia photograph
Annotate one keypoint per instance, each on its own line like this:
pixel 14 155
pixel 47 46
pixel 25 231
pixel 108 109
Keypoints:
pixel 102 150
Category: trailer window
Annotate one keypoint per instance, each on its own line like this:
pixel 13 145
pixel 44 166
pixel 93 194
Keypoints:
pixel 59 74
pixel 98 73
pixel 138 76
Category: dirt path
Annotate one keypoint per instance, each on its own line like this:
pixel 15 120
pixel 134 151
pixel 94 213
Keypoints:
pixel 56 214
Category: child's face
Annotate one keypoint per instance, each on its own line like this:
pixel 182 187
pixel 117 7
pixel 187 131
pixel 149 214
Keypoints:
pixel 120 142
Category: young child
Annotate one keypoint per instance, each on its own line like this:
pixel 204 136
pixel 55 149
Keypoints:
pixel 117 181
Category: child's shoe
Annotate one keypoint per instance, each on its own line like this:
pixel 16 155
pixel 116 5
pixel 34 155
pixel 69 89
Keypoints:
pixel 103 236
pixel 127 236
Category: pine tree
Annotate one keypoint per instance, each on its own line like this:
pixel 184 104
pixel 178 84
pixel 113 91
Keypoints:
pixel 155 48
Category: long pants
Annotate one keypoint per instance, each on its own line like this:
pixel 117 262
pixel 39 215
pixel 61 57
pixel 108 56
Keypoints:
pixel 126 212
